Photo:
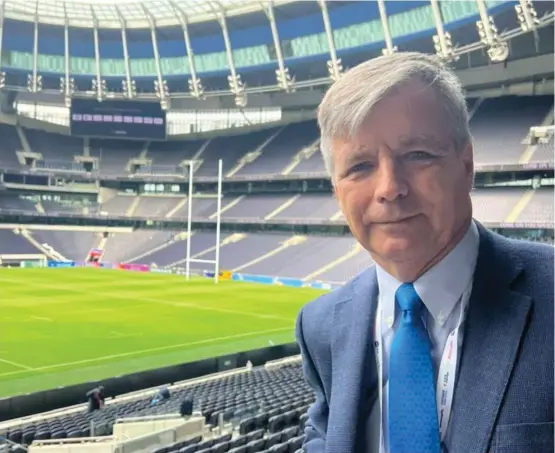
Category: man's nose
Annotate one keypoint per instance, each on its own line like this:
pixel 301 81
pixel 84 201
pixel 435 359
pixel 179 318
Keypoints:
pixel 391 183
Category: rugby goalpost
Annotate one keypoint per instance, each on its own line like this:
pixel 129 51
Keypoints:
pixel 188 259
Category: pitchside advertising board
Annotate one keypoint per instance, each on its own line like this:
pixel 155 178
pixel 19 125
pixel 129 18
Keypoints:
pixel 125 119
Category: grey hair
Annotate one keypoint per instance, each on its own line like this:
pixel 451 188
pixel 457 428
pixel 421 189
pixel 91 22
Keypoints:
pixel 350 100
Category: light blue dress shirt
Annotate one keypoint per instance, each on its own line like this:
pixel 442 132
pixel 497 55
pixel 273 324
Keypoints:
pixel 442 289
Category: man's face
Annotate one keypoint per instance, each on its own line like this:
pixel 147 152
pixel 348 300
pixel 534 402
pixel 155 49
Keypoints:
pixel 401 184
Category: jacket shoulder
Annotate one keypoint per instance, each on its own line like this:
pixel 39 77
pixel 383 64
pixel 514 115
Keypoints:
pixel 536 258
pixel 318 313
pixel 323 305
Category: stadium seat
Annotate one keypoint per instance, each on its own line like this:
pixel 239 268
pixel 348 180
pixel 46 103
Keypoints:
pixel 247 425
pixel 281 448
pixel 276 424
pixel 255 446
pixel 205 444
pixel 255 435
pixel 241 449
pixel 28 437
pixel 289 433
pixel 189 449
pixel 237 442
pixel 273 439
pixel 295 443
pixel 221 447
pixel 15 436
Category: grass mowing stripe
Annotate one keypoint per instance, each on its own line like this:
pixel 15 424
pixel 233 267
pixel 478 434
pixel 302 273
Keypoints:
pixel 144 351
pixel 149 299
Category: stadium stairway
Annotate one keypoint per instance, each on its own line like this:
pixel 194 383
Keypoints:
pixel 519 206
pixel 475 107
pixel 528 153
pixel 133 207
pixel 39 207
pixel 303 154
pixel 337 215
pixel 252 156
pixel 227 207
pixel 176 208
pixel 49 252
pixel 291 242
pixel 347 256
pixel 178 238
pixel 236 237
pixel 197 157
pixel 23 139
pixel 282 207
pixel 100 246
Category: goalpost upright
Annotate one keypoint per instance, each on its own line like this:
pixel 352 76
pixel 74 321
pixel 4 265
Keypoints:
pixel 188 259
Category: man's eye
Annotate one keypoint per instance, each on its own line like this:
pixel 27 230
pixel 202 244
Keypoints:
pixel 360 167
pixel 418 155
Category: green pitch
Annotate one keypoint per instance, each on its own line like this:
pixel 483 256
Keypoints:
pixel 65 326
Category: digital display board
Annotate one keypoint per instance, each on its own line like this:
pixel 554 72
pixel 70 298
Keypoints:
pixel 129 119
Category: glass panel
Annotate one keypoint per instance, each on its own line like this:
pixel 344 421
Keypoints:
pixel 81 65
pixel 453 11
pixel 251 56
pixel 20 60
pixel 51 63
pixel 413 21
pixel 111 67
pixel 310 45
pixel 358 35
pixel 216 61
pixel 174 65
pixel 141 67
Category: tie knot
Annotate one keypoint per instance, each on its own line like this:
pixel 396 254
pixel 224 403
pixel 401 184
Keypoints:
pixel 408 299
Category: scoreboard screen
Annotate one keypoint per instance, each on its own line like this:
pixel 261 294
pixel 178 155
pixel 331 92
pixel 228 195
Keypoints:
pixel 129 119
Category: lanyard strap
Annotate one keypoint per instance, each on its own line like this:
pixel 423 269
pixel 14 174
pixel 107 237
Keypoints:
pixel 445 385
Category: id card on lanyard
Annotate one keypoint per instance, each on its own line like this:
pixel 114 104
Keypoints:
pixel 445 385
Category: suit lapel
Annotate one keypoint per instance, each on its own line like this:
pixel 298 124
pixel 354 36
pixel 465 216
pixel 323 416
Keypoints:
pixel 351 340
pixel 494 328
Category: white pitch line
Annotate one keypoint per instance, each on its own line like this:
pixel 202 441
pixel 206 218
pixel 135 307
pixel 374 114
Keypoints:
pixel 161 348
pixel 150 299
pixel 9 362
pixel 41 318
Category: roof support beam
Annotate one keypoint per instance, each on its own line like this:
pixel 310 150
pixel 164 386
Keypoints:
pixel 236 85
pixel 497 49
pixel 442 41
pixel 1 26
pixel 33 81
pixel 128 91
pixel 335 68
pixel 195 84
pixel 98 84
pixel 284 79
pixel 160 86
pixel 389 47
pixel 68 85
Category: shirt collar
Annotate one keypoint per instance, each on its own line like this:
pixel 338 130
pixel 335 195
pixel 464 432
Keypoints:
pixel 441 287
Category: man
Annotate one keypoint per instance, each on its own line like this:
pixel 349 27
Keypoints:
pixel 446 344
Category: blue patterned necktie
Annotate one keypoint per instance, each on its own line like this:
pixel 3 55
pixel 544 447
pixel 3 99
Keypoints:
pixel 412 413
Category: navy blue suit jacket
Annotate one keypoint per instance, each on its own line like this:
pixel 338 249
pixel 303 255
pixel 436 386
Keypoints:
pixel 503 400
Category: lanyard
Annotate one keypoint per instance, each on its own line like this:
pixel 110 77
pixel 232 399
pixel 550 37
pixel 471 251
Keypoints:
pixel 445 385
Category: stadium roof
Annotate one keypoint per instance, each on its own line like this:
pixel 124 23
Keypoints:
pixel 132 13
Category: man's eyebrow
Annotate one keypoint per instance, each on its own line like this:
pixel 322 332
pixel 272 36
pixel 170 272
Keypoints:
pixel 425 140
pixel 358 153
